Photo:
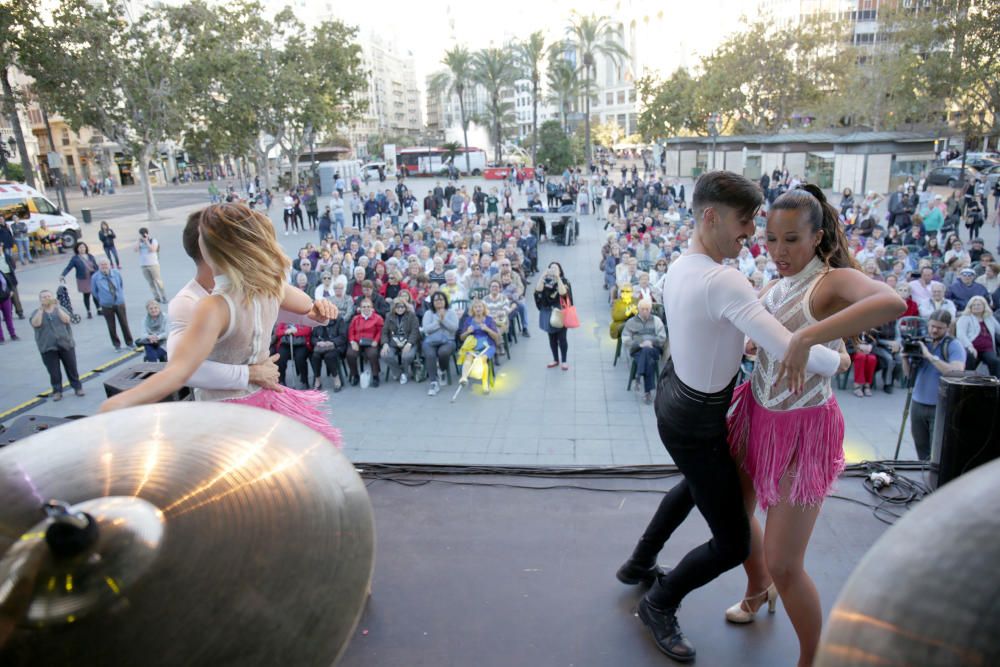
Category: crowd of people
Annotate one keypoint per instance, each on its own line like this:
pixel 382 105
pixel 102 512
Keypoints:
pixel 418 284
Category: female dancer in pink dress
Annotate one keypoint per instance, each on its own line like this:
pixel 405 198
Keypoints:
pixel 233 325
pixel 791 444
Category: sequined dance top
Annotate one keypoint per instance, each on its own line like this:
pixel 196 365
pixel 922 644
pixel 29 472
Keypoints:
pixel 788 301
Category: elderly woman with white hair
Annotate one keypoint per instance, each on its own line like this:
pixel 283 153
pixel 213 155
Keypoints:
pixel 977 331
pixel 455 290
pixel 341 298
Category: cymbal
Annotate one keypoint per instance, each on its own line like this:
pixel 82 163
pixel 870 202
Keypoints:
pixel 181 534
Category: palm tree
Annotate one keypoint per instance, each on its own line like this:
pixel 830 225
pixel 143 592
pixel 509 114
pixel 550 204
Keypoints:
pixel 494 70
pixel 530 54
pixel 563 85
pixel 592 36
pixel 456 80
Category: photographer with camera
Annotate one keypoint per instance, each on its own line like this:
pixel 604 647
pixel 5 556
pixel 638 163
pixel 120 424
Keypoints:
pixel 944 355
pixel 149 261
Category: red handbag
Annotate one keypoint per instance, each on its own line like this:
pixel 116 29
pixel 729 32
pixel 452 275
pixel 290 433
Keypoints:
pixel 570 319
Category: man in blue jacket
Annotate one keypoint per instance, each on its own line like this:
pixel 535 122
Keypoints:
pixel 109 293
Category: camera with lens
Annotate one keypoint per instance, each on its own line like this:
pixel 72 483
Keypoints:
pixel 913 331
pixel 911 345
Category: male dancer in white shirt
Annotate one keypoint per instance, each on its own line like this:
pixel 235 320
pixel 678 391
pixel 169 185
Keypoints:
pixel 212 374
pixel 710 309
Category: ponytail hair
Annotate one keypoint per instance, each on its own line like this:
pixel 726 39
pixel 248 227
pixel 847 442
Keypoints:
pixel 833 247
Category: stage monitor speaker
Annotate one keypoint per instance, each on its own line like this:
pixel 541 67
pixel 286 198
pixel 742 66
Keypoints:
pixel 136 373
pixel 29 425
pixel 966 426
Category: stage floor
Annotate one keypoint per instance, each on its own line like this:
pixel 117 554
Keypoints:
pixel 472 575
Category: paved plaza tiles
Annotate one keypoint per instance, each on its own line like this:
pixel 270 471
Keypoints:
pixel 535 416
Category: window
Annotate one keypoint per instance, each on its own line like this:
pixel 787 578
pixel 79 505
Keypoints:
pixel 43 206
pixel 65 137
pixel 621 122
pixel 631 95
pixel 610 98
pixel 621 97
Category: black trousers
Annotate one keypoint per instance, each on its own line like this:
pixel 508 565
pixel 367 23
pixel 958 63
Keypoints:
pixel 371 354
pixel 358 220
pixel 989 358
pixel 112 312
pixel 559 344
pixel 300 355
pixel 331 357
pixel 889 363
pixel 692 426
pixel 646 359
pixel 922 428
pixel 67 358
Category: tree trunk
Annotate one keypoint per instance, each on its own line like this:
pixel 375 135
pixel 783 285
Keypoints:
pixel 534 119
pixel 586 118
pixel 293 160
pixel 152 213
pixel 499 128
pixel 465 133
pixel 57 172
pixel 10 108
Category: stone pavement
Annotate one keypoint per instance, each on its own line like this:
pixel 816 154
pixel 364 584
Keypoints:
pixel 536 416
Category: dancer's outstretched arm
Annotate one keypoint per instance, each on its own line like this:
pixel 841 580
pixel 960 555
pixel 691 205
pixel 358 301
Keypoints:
pixel 296 301
pixel 733 299
pixel 211 319
pixel 860 304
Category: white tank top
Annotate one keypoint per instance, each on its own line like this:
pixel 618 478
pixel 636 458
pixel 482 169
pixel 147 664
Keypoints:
pixel 788 301
pixel 246 341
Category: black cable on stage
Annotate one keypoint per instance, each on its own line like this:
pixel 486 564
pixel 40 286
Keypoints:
pixel 880 478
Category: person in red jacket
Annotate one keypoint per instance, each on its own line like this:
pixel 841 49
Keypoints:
pixel 395 284
pixel 363 337
pixel 294 342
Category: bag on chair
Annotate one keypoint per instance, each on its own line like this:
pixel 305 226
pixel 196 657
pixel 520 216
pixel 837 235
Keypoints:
pixel 569 317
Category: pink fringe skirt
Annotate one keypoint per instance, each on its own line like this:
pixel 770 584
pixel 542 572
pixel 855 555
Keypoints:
pixel 808 443
pixel 302 406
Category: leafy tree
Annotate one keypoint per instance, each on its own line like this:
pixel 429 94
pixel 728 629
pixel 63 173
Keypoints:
pixel 131 79
pixel 494 70
pixel 563 85
pixel 456 80
pixel 761 78
pixel 451 149
pixel 238 107
pixel 530 55
pixel 606 134
pixel 556 150
pixel 16 20
pixel 671 107
pixel 319 71
pixel 945 65
pixel 592 36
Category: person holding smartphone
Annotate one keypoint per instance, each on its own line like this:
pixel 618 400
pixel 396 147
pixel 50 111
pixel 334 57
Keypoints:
pixel 149 261
pixel 552 287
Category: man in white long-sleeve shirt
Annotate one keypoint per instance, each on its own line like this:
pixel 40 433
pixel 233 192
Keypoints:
pixel 212 374
pixel 711 309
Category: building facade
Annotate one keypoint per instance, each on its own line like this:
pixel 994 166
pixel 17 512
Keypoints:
pixel 392 94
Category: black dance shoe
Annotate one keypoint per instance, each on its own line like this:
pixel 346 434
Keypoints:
pixel 631 573
pixel 666 632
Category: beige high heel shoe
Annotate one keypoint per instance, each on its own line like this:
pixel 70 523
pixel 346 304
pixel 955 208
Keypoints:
pixel 742 612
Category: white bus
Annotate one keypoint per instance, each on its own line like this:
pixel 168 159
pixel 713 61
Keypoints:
pixel 429 161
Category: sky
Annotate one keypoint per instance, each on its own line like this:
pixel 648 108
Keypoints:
pixel 424 26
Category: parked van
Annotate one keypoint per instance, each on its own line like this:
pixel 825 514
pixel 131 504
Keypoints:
pixel 15 196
